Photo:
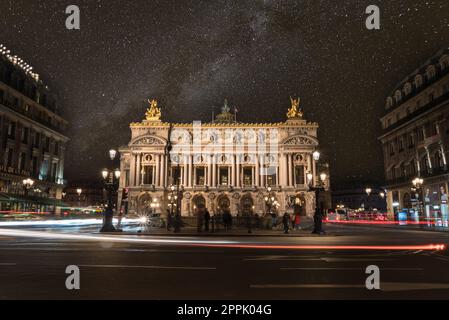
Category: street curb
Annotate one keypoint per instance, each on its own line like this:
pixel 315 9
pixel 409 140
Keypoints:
pixel 402 228
pixel 304 235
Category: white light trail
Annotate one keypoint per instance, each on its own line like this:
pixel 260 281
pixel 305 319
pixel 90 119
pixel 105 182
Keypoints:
pixel 102 238
pixel 67 222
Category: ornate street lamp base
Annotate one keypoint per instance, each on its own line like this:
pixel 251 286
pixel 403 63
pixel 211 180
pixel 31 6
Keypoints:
pixel 108 228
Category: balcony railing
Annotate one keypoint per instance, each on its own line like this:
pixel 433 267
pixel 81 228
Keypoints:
pixel 424 174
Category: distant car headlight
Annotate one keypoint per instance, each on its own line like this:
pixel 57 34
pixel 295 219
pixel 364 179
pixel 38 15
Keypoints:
pixel 143 220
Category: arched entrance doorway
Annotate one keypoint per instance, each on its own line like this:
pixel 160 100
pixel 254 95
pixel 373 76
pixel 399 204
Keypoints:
pixel 144 204
pixel 223 202
pixel 198 201
pixel 299 205
pixel 246 204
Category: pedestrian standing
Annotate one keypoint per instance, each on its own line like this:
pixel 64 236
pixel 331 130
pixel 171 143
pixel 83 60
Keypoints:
pixel 169 220
pixel 286 222
pixel 248 222
pixel 297 221
pixel 206 220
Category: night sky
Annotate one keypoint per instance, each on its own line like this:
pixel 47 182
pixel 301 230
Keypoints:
pixel 191 55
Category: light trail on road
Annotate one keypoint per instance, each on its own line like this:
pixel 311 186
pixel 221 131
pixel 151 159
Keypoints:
pixel 210 243
pixel 61 223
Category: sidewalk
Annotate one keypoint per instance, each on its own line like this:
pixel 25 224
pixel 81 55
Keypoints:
pixel 240 232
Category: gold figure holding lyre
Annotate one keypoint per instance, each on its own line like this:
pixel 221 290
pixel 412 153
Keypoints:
pixel 153 113
pixel 294 111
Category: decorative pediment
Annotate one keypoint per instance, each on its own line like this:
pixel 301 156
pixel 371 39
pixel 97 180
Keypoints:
pixel 148 141
pixel 301 140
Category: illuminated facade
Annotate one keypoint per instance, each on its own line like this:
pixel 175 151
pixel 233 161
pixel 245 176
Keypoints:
pixel 223 165
pixel 415 140
pixel 32 140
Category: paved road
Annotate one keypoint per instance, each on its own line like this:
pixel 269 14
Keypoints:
pixel 32 265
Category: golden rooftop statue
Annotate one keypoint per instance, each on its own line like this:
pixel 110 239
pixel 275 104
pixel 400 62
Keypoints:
pixel 153 113
pixel 294 111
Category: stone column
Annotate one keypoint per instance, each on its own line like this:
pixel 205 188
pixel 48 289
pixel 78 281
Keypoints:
pixel 194 176
pixel 153 169
pixel 233 171
pixel 163 171
pixel 138 168
pixel 253 176
pixel 289 170
pixel 185 172
pixel 429 161
pixel 156 182
pixel 190 171
pixel 214 172
pixel 309 163
pixel 277 174
pixel 237 168
pixel 257 171
pixel 443 155
pixel 132 170
pixel 282 174
pixel 209 171
pixel 314 172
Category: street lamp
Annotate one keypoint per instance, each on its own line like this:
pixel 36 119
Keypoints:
pixel 368 192
pixel 318 216
pixel 172 199
pixel 417 183
pixel 174 203
pixel 270 202
pixel 79 191
pixel 27 184
pixel 111 178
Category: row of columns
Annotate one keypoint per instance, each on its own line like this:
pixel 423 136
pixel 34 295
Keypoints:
pixel 284 172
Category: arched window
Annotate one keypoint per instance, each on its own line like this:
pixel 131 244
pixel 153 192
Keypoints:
pixel 444 62
pixel 397 96
pixel 430 72
pixel 407 88
pixel 389 103
pixel 418 81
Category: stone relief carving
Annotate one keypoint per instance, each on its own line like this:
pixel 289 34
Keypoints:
pixel 300 141
pixel 148 141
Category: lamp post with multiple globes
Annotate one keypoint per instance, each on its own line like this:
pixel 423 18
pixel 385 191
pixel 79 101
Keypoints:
pixel 417 184
pixel 317 187
pixel 273 205
pixel 111 178
pixel 27 185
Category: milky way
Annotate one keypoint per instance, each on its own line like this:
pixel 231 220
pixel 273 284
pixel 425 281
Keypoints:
pixel 191 55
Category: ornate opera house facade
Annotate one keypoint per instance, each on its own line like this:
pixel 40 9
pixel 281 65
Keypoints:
pixel 223 165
